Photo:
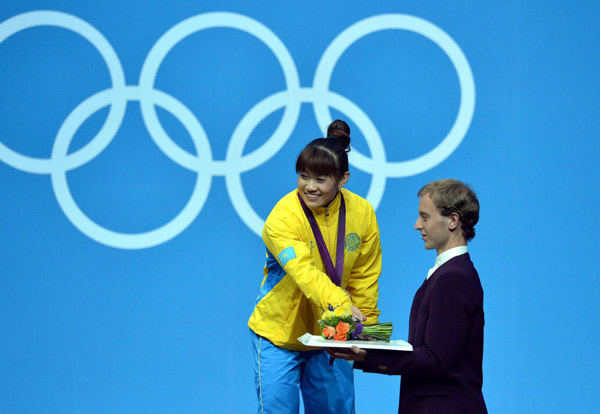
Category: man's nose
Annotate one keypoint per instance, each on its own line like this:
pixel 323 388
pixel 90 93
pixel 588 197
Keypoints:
pixel 418 224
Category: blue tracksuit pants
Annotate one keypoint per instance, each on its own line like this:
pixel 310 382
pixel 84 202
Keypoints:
pixel 280 375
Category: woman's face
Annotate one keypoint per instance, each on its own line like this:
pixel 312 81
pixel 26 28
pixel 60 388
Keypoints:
pixel 318 190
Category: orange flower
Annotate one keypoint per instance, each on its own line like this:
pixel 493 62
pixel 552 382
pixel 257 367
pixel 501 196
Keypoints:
pixel 342 329
pixel 328 331
pixel 339 337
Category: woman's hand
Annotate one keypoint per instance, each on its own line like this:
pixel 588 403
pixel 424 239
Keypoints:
pixel 357 314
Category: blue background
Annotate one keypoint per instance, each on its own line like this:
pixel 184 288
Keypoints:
pixel 87 327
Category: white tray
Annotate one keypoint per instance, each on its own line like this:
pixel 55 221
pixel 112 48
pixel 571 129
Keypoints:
pixel 317 340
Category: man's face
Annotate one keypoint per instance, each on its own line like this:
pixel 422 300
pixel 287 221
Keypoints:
pixel 434 227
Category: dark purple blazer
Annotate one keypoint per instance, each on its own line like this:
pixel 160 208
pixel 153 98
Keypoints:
pixel 443 374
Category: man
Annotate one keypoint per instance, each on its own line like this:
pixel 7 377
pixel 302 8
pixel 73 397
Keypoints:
pixel 443 374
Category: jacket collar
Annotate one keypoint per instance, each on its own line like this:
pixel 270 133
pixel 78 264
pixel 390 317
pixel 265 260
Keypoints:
pixel 332 208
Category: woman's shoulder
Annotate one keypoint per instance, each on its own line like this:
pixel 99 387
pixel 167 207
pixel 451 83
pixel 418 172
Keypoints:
pixel 286 216
pixel 290 200
pixel 356 200
pixel 287 205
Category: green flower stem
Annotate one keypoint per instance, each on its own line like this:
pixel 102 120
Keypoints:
pixel 381 331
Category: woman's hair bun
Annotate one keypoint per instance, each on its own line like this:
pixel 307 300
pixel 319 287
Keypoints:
pixel 340 130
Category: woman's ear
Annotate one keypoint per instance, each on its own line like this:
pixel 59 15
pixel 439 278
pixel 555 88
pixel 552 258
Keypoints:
pixel 342 181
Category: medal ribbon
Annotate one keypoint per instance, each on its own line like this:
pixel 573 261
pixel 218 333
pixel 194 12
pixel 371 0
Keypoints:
pixel 335 273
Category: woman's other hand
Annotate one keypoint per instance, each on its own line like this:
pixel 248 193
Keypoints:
pixel 357 314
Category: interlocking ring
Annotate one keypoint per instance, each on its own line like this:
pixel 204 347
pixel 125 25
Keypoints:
pixel 235 162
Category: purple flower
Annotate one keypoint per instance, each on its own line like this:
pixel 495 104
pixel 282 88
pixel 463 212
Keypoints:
pixel 357 331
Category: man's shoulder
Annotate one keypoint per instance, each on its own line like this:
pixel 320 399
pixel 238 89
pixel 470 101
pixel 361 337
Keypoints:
pixel 460 267
pixel 460 262
pixel 458 274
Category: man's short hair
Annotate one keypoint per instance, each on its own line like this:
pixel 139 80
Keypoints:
pixel 452 196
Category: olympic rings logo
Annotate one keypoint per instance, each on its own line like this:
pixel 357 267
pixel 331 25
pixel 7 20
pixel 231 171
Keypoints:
pixel 235 163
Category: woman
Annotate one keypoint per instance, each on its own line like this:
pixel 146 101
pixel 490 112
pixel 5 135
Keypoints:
pixel 301 281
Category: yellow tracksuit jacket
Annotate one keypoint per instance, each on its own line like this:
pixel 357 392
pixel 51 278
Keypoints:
pixel 296 287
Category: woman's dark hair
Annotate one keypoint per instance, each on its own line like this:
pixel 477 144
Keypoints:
pixel 327 156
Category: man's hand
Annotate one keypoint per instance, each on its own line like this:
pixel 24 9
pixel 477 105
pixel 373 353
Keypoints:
pixel 352 354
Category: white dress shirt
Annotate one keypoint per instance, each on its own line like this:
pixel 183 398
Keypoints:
pixel 445 256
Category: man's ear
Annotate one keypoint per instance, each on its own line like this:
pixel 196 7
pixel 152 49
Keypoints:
pixel 454 221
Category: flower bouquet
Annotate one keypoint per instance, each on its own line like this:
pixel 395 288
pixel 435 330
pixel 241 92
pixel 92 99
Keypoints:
pixel 337 323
